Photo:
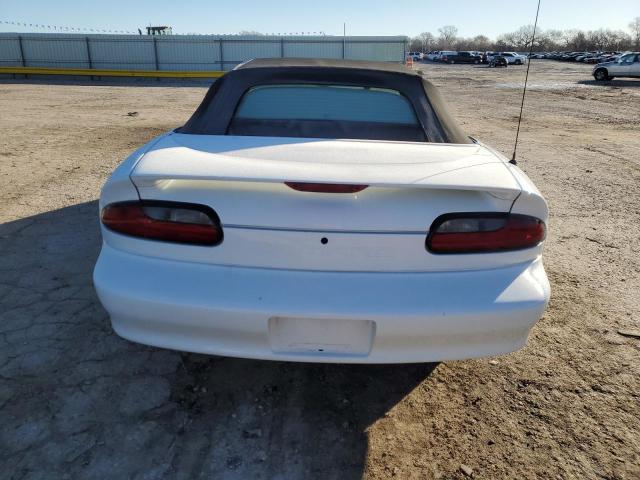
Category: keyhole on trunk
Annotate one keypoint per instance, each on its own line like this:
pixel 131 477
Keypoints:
pixel 324 240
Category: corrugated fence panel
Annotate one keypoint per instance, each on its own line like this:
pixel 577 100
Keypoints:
pixel 238 50
pixel 187 54
pixel 60 52
pixel 123 53
pixel 184 52
pixel 370 50
pixel 10 51
pixel 313 48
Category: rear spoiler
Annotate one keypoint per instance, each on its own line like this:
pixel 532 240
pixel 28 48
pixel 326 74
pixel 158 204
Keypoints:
pixel 278 160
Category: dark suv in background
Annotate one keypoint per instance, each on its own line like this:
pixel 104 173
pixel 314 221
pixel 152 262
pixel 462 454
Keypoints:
pixel 462 57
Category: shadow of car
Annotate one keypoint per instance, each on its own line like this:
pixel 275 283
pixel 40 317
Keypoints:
pixel 75 390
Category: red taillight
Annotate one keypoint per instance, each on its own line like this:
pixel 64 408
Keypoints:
pixel 166 221
pixel 325 187
pixel 481 233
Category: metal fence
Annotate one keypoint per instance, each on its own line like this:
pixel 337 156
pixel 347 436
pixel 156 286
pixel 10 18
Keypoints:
pixel 184 52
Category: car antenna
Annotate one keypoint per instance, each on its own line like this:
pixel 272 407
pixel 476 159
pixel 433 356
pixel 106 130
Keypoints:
pixel 524 91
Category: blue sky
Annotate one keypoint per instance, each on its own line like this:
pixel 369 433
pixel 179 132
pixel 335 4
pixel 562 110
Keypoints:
pixel 372 17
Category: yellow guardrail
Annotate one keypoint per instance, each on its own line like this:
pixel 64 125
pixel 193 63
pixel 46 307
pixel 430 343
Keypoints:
pixel 109 73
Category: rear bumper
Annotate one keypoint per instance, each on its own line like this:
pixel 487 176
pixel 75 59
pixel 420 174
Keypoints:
pixel 230 311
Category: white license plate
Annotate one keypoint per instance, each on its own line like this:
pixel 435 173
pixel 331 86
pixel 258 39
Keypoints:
pixel 321 336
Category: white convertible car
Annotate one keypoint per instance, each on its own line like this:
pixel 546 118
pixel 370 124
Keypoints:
pixel 322 211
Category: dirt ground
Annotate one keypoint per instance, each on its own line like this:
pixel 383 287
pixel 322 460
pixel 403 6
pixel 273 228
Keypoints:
pixel 76 401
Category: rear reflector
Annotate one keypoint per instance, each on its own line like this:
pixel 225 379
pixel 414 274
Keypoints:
pixel 484 232
pixel 166 221
pixel 325 187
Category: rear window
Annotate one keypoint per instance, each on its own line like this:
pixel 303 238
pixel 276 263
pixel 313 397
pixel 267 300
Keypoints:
pixel 326 111
pixel 326 102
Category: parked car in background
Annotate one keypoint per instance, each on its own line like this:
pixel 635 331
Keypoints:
pixel 415 56
pixel 609 58
pixel 592 59
pixel 486 56
pixel 513 57
pixel 498 61
pixel 444 53
pixel 433 56
pixel 582 57
pixel 628 65
pixel 293 218
pixel 462 57
pixel 572 57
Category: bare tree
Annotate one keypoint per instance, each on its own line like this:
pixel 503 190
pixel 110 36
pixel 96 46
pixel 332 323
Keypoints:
pixel 568 38
pixel 506 41
pixel 619 40
pixel 579 41
pixel 522 37
pixel 634 26
pixel 550 39
pixel 607 40
pixel 481 43
pixel 598 38
pixel 428 41
pixel 415 44
pixel 448 35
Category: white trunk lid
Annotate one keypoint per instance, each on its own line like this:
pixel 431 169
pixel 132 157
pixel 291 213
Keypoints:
pixel 375 163
pixel 268 224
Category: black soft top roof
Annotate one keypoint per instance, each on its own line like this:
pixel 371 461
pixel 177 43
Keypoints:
pixel 215 114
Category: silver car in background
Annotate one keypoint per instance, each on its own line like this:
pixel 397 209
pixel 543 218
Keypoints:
pixel 628 65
